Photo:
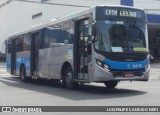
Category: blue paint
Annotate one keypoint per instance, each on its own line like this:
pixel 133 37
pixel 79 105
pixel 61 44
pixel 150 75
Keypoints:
pixel 25 61
pixel 152 18
pixel 125 65
pixel 127 2
pixel 8 64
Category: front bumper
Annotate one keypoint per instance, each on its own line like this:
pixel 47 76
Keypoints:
pixel 101 75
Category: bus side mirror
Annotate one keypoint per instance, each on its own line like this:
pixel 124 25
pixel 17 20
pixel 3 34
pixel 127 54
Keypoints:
pixel 93 31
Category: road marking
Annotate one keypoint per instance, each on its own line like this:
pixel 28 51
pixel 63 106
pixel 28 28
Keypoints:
pixel 10 80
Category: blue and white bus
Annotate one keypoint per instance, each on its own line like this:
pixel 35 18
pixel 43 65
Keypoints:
pixel 104 44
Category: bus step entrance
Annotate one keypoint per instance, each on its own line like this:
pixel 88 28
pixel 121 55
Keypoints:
pixel 83 76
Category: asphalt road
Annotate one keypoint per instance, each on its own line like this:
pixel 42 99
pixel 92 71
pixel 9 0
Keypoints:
pixel 13 92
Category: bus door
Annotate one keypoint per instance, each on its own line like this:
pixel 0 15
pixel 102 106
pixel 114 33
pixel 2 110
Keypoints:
pixel 13 57
pixel 81 50
pixel 34 53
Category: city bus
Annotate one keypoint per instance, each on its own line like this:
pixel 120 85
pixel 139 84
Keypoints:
pixel 102 44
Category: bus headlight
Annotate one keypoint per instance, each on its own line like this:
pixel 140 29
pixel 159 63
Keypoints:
pixel 146 66
pixel 99 63
pixel 102 65
pixel 106 67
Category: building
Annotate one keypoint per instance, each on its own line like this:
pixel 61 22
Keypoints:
pixel 18 15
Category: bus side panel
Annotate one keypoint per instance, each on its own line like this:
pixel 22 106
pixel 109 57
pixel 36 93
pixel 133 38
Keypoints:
pixel 52 59
pixel 43 63
pixel 62 54
pixel 23 58
pixel 8 63
pixel 47 63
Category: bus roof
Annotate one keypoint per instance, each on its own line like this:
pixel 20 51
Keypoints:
pixel 65 18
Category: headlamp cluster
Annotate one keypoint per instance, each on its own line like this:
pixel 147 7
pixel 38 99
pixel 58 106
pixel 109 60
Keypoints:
pixel 102 65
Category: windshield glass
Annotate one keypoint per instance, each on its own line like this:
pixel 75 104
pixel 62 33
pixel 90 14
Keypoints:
pixel 120 36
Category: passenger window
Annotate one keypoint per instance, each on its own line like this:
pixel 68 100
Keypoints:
pixel 9 46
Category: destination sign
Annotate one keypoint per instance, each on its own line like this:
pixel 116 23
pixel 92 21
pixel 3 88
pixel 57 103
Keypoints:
pixel 102 12
pixel 121 13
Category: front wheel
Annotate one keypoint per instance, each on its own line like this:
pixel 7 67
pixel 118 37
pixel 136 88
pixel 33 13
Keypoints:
pixel 68 79
pixel 111 84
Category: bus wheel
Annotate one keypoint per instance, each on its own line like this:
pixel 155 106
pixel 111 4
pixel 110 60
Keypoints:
pixel 111 84
pixel 69 83
pixel 23 74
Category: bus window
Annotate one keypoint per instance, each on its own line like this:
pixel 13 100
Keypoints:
pixel 26 42
pixel 19 44
pixel 9 46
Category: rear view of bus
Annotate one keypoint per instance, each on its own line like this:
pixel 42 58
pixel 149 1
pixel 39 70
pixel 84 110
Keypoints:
pixel 121 45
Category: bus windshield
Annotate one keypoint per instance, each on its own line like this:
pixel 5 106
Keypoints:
pixel 121 36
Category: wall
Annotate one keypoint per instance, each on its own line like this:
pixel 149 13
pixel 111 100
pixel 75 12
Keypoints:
pixel 16 15
pixel 150 6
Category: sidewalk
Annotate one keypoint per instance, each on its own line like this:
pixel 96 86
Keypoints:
pixel 155 71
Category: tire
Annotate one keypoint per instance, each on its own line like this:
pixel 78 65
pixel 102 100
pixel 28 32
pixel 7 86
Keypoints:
pixel 111 84
pixel 68 79
pixel 23 74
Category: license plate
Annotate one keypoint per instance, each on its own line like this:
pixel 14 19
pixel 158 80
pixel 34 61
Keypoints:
pixel 129 74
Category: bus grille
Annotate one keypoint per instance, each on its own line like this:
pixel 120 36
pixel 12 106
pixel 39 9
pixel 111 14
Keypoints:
pixel 122 72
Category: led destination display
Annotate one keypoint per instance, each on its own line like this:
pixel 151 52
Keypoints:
pixel 120 12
